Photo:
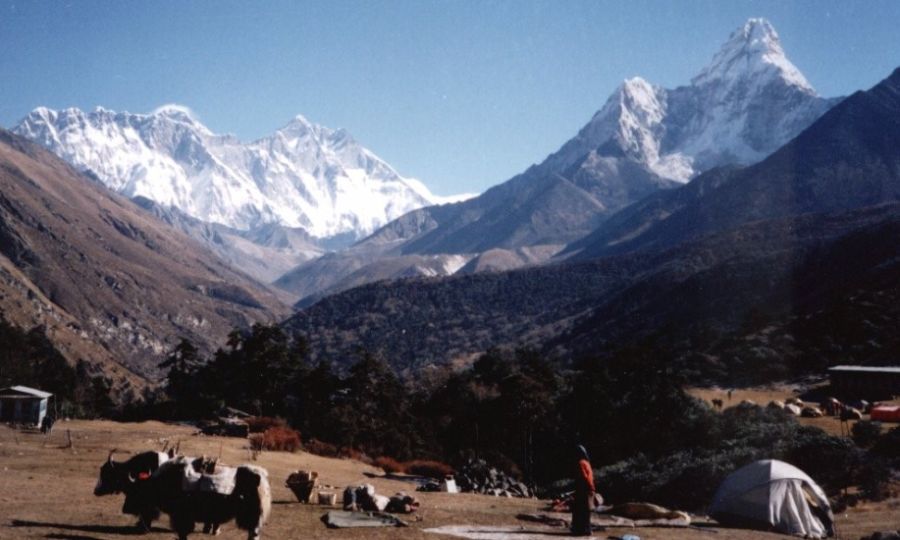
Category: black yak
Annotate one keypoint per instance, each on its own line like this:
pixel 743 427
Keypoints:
pixel 191 491
pixel 132 477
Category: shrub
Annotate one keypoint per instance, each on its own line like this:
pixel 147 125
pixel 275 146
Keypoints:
pixel 354 454
pixel 389 465
pixel 688 478
pixel 865 433
pixel 430 469
pixel 257 443
pixel 259 424
pixel 419 467
pixel 830 461
pixel 888 446
pixel 684 480
pixel 874 479
pixel 321 448
pixel 278 439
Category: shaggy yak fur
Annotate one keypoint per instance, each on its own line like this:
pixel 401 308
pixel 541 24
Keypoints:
pixel 192 491
pixel 132 477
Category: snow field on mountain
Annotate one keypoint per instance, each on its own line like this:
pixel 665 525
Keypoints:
pixel 304 175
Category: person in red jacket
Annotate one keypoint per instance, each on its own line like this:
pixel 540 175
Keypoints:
pixel 584 494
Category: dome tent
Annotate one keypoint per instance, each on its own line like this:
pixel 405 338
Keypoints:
pixel 772 494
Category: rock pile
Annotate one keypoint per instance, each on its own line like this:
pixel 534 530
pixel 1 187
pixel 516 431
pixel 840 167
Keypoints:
pixel 476 476
pixel 225 427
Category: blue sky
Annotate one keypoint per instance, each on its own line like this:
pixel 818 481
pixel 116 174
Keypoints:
pixel 460 94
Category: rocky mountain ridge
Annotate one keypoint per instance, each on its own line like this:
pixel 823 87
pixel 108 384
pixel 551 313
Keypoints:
pixel 847 159
pixel 645 140
pixel 303 176
pixel 105 280
pixel 733 275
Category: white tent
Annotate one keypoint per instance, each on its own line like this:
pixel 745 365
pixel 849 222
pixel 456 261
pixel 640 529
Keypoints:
pixel 772 494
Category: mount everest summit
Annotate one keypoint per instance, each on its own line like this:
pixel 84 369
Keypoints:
pixel 264 207
pixel 302 176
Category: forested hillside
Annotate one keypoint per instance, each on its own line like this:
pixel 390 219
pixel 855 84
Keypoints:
pixel 710 303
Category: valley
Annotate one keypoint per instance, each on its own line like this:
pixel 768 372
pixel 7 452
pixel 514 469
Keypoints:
pixel 627 306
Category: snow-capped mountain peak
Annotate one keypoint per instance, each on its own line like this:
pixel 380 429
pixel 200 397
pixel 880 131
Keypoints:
pixel 300 125
pixel 754 50
pixel 172 110
pixel 747 102
pixel 637 90
pixel 304 175
pixel 636 105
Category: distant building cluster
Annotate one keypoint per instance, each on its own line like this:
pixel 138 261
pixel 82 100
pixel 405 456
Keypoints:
pixel 866 382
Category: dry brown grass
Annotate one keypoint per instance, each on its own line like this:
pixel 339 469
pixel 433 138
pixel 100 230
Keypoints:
pixel 46 491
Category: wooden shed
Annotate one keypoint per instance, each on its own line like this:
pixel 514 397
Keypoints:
pixel 865 382
pixel 23 405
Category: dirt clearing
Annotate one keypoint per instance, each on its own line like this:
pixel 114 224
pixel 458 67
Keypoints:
pixel 47 492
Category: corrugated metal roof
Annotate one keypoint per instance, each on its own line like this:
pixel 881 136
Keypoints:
pixel 867 369
pixel 26 390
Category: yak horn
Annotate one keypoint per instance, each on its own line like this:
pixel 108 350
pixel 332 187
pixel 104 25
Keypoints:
pixel 109 457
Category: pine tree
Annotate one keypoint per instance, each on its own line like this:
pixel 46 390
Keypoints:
pixel 184 380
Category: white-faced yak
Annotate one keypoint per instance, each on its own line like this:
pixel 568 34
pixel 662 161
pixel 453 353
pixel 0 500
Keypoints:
pixel 192 491
pixel 132 477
